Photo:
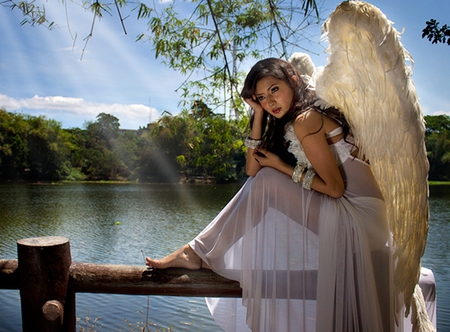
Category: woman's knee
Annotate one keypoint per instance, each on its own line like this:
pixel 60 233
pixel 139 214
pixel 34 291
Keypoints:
pixel 267 176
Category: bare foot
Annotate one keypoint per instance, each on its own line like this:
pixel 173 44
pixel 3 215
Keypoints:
pixel 184 257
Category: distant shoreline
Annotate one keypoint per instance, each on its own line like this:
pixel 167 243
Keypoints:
pixel 439 183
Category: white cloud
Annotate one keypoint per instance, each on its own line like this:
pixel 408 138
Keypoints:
pixel 78 107
pixel 441 113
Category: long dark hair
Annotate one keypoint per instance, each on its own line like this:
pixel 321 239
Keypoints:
pixel 303 100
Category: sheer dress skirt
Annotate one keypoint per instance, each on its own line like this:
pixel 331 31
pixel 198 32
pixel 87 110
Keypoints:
pixel 303 259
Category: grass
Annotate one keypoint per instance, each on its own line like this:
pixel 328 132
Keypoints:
pixel 143 325
pixel 439 183
pixel 88 325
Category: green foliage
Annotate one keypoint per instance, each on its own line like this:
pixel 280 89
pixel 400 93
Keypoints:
pixel 33 14
pixel 436 34
pixel 208 40
pixel 193 144
pixel 13 147
pixel 32 147
pixel 437 141
pixel 159 146
pixel 106 155
pixel 47 149
pixel 214 147
pixel 196 144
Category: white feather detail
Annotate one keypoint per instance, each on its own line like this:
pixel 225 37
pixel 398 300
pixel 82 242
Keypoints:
pixel 367 77
pixel 420 320
pixel 295 147
pixel 303 63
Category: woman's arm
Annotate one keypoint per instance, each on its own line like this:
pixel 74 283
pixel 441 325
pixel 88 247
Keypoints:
pixel 311 129
pixel 252 166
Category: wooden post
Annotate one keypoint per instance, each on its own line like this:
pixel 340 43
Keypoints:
pixel 9 274
pixel 44 264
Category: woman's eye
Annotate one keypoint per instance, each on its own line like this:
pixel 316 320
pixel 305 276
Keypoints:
pixel 274 89
pixel 260 98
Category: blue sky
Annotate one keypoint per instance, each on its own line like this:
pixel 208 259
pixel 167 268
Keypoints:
pixel 41 71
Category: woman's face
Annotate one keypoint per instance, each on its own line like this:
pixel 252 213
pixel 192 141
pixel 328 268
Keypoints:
pixel 274 95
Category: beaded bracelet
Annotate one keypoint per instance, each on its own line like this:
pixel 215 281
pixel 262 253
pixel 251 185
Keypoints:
pixel 252 143
pixel 298 172
pixel 308 179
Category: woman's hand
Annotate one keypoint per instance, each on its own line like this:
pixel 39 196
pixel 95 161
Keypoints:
pixel 255 105
pixel 266 158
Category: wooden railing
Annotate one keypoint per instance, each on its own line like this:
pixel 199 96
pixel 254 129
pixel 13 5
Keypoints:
pixel 48 281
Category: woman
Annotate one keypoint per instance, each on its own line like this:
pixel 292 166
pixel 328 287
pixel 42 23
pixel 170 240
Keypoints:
pixel 300 234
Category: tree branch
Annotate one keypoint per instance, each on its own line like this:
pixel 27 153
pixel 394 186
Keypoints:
pixel 222 47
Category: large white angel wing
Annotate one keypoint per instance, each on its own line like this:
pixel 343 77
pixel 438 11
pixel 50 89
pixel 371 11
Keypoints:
pixel 368 79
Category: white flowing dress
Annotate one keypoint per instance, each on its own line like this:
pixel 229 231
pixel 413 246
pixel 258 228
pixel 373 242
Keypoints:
pixel 305 261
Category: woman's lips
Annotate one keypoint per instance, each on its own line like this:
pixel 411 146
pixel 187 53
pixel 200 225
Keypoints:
pixel 276 110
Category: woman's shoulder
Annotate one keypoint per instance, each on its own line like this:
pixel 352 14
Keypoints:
pixel 308 122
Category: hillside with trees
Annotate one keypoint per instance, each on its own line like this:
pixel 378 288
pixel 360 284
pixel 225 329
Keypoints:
pixel 195 145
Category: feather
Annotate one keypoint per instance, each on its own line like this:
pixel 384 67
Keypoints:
pixel 420 320
pixel 303 63
pixel 368 78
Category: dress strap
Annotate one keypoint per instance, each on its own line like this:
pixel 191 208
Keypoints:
pixel 336 131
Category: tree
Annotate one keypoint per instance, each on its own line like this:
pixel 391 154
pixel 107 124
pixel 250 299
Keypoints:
pixel 101 160
pixel 216 36
pixel 167 139
pixel 76 143
pixel 437 139
pixel 437 124
pixel 436 34
pixel 208 40
pixel 32 148
pixel 215 146
pixel 108 126
pixel 13 145
pixel 47 147
pixel 195 143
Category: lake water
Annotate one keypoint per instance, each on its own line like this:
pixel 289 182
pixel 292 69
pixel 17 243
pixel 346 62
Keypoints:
pixel 114 223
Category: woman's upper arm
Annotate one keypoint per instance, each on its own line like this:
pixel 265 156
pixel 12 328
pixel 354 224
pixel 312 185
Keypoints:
pixel 310 131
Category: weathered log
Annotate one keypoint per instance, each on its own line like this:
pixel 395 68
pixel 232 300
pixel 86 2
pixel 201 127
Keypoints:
pixel 124 279
pixel 127 279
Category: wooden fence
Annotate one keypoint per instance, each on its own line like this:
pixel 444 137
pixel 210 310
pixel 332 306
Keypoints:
pixel 48 281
